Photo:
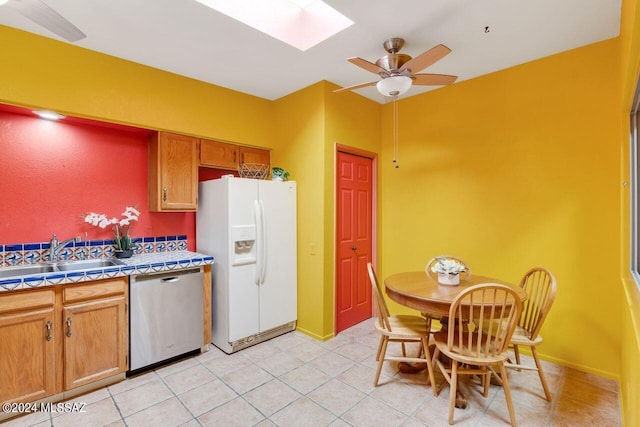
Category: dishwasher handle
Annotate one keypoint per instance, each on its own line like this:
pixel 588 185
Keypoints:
pixel 171 279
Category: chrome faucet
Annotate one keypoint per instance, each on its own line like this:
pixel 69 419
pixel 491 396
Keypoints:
pixel 57 246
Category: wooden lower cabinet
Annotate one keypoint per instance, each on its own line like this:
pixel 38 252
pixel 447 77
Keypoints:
pixel 27 350
pixel 60 338
pixel 94 345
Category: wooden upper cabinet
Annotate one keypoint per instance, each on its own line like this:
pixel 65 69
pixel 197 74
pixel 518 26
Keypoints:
pixel 254 155
pixel 173 172
pixel 219 155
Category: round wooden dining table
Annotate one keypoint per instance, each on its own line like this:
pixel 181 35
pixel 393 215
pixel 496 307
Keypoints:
pixel 421 292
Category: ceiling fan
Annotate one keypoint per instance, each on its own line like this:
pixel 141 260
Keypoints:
pixel 45 16
pixel 399 71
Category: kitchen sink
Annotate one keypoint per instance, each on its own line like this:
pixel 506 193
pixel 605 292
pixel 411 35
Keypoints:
pixel 87 264
pixel 24 270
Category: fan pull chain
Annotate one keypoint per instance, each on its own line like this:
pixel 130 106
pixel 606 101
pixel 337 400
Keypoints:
pixel 395 129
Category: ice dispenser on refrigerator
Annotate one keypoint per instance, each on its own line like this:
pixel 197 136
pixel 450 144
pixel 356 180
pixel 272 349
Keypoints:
pixel 244 244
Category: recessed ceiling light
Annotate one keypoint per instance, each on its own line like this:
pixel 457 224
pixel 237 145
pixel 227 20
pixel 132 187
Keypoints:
pixel 299 23
pixel 3 2
pixel 49 115
pixel 300 3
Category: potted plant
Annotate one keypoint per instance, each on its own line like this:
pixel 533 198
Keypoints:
pixel 279 174
pixel 448 269
pixel 122 241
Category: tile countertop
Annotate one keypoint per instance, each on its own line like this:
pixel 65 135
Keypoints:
pixel 137 264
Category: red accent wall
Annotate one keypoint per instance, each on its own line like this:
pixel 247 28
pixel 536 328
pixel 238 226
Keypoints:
pixel 53 172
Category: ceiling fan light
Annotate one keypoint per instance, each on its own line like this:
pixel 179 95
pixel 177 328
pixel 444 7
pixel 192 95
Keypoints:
pixel 394 86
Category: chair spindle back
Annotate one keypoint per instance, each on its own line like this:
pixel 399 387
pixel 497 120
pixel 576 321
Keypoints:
pixel 381 304
pixel 482 319
pixel 540 286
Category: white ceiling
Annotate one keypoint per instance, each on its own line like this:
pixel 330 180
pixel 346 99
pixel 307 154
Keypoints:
pixel 187 38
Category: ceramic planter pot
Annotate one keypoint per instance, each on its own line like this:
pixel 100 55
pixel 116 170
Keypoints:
pixel 124 254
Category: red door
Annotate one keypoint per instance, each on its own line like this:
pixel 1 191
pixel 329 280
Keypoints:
pixel 354 231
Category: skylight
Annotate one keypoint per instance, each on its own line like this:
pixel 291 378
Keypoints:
pixel 299 23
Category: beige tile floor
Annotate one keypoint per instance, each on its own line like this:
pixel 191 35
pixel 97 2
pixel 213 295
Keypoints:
pixel 294 380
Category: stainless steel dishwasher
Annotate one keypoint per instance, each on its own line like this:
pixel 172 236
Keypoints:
pixel 166 316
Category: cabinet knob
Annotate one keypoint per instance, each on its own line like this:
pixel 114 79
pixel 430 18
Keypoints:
pixel 164 194
pixel 353 248
pixel 68 326
pixel 48 326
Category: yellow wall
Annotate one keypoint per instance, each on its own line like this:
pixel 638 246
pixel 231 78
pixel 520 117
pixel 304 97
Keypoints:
pixel 44 73
pixel 300 121
pixel 630 333
pixel 512 170
pixel 309 124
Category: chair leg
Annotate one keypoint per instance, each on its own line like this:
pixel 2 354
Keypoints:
pixel 379 347
pixel 543 380
pixel 507 394
pixel 486 380
pixel 435 362
pixel 383 352
pixel 453 389
pixel 427 356
pixel 516 351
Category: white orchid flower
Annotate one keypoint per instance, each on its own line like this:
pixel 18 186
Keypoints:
pixel 122 240
pixel 448 266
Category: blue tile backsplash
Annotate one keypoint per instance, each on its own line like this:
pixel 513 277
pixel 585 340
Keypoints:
pixel 31 253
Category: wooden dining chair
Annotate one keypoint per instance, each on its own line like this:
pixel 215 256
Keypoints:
pixel 474 348
pixel 402 329
pixel 540 286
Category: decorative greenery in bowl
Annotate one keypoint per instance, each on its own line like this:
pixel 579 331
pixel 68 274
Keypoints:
pixel 445 265
pixel 279 174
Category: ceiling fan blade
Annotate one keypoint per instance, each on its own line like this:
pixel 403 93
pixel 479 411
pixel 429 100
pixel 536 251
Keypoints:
pixel 43 15
pixel 425 59
pixel 369 66
pixel 433 79
pixel 342 89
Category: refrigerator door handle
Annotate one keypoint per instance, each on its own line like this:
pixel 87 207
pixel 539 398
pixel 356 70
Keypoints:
pixel 258 218
pixel 263 244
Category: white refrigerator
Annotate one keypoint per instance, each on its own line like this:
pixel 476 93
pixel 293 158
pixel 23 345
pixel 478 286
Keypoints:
pixel 249 227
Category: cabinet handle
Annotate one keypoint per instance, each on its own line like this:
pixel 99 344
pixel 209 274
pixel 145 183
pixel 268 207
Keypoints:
pixel 68 326
pixel 234 157
pixel 242 157
pixel 164 194
pixel 48 326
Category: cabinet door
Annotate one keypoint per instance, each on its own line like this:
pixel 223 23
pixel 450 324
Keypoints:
pixel 254 155
pixel 27 355
pixel 220 155
pixel 173 172
pixel 94 341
